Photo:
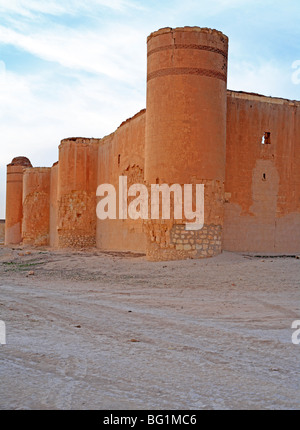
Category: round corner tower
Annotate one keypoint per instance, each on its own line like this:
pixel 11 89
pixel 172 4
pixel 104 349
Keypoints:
pixel 36 206
pixel 76 193
pixel 186 132
pixel 14 195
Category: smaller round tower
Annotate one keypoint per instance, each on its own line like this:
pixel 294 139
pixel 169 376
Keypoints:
pixel 76 193
pixel 14 197
pixel 36 196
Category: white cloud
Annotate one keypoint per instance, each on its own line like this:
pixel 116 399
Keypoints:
pixel 296 73
pixel 40 108
pixel 37 112
pixel 269 78
pixel 94 51
pixel 206 9
pixel 28 8
pixel 2 71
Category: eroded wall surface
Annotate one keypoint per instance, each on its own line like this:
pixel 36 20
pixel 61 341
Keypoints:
pixel 122 154
pixel 262 208
pixel 76 193
pixel 36 206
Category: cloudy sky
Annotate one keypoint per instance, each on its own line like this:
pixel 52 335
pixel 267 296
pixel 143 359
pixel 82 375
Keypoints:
pixel 78 68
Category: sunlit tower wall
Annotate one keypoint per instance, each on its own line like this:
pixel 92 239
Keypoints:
pixel 76 193
pixel 186 133
pixel 36 210
pixel 14 197
pixel 53 207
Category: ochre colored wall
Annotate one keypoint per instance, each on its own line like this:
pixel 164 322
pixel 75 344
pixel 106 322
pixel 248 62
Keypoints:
pixel 77 183
pixel 36 201
pixel 122 154
pixel 194 131
pixel 53 233
pixel 262 209
pixel 186 132
pixel 14 196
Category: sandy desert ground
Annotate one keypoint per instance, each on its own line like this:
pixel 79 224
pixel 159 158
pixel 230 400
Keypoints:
pixel 94 330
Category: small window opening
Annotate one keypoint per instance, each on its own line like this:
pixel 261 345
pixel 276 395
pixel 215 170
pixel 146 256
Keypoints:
pixel 264 177
pixel 157 180
pixel 266 139
pixel 119 159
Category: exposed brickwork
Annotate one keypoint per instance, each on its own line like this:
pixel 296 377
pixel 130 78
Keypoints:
pixel 36 229
pixel 207 240
pixel 169 239
pixel 76 195
pixel 36 199
pixel 179 243
pixel 77 220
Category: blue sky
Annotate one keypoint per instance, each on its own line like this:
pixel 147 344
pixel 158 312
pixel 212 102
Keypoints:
pixel 78 68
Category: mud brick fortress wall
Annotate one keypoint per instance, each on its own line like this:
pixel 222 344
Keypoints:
pixel 193 131
pixel 262 185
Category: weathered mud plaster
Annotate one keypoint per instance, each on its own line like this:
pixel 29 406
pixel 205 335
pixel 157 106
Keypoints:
pixel 244 147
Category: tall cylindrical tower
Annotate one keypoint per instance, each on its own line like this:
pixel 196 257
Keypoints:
pixel 14 191
pixel 36 206
pixel 186 132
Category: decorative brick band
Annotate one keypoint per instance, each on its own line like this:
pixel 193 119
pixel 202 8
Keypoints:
pixel 199 47
pixel 187 71
pixel 14 173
